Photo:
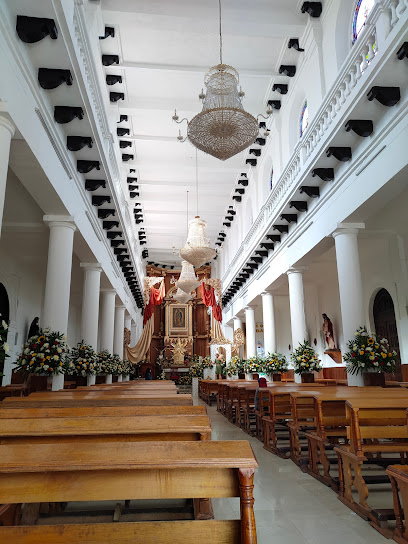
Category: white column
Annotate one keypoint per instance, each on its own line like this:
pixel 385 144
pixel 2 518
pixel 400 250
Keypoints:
pixel 133 335
pixel 350 287
pixel 250 331
pixel 297 309
pixel 128 322
pixel 268 322
pixel 90 303
pixel 6 133
pixel 107 319
pixel 58 279
pixel 119 330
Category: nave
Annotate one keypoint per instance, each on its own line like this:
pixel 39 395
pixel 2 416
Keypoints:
pixel 290 506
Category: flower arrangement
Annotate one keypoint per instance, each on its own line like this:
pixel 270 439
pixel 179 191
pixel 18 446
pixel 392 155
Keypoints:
pixel 185 380
pixel 83 361
pixel 275 363
pixel 207 363
pixel 367 352
pixel 4 348
pixel 305 359
pixel 118 368
pixel 45 353
pixel 253 364
pixel 161 376
pixel 234 366
pixel 128 368
pixel 107 362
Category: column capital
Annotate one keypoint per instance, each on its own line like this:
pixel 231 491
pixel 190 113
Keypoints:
pixel 97 267
pixel 237 318
pixel 266 294
pixel 60 220
pixel 120 307
pixel 108 291
pixel 6 123
pixel 348 228
pixel 296 270
pixel 250 307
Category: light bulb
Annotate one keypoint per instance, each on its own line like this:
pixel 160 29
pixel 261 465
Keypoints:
pixel 175 116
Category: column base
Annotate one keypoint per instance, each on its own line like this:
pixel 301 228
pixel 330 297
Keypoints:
pixel 57 382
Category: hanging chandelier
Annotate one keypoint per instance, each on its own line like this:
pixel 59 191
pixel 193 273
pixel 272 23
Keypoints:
pixel 188 280
pixel 223 128
pixel 197 250
pixel 182 297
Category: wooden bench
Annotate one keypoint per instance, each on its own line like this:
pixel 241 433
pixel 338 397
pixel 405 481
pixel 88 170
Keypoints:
pixel 376 426
pixel 398 475
pixel 9 412
pixel 153 470
pixel 117 400
pixel 94 429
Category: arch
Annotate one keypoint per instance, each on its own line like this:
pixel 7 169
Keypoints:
pixel 304 119
pixel 362 9
pixel 385 322
pixel 4 304
pixel 342 32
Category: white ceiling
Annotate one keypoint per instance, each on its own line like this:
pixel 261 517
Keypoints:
pixel 165 48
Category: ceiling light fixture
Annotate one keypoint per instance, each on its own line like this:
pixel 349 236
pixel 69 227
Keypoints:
pixel 223 128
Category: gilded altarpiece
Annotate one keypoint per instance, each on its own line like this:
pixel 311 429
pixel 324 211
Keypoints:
pixel 173 321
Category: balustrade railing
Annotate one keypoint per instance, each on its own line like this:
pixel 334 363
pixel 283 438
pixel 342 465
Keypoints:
pixel 376 39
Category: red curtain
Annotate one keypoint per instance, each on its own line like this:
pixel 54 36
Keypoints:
pixel 209 299
pixel 155 299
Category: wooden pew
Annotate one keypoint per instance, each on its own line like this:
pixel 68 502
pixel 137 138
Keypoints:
pixel 9 412
pixel 61 402
pixel 376 426
pixel 153 470
pixel 398 475
pixel 107 429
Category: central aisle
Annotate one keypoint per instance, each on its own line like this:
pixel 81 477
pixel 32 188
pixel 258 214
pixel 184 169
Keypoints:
pixel 291 507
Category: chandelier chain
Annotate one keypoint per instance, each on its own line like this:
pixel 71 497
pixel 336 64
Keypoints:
pixel 187 214
pixel 219 3
pixel 196 150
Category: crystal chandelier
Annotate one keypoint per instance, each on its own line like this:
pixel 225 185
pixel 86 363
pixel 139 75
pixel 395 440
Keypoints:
pixel 182 297
pixel 188 280
pixel 197 250
pixel 223 128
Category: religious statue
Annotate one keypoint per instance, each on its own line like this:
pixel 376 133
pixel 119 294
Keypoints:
pixel 34 329
pixel 328 332
pixel 178 350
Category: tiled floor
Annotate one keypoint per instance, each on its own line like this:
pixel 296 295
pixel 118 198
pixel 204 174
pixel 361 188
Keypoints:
pixel 291 507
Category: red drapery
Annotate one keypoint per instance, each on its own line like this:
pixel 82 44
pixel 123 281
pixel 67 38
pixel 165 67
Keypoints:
pixel 155 299
pixel 209 299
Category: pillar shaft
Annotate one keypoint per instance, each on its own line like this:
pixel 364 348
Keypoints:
pixel 119 330
pixel 107 320
pixel 268 323
pixel 250 331
pixel 350 287
pixel 90 303
pixel 58 280
pixel 6 133
pixel 297 307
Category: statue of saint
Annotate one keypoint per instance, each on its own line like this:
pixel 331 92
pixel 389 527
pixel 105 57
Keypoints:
pixel 328 332
pixel 34 329
pixel 178 350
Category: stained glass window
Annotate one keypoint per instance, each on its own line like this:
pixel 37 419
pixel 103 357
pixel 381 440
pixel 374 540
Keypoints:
pixel 362 11
pixel 271 178
pixel 304 118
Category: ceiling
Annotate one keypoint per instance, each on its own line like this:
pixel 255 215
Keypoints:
pixel 165 48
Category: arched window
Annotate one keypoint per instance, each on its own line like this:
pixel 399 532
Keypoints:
pixel 361 12
pixel 304 119
pixel 271 178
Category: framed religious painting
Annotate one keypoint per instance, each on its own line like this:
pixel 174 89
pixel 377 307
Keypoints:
pixel 178 320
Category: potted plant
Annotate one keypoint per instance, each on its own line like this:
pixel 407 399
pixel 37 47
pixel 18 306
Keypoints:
pixel 234 367
pixel 306 362
pixel 45 354
pixel 275 364
pixel 107 364
pixel 252 366
pixel 83 363
pixel 208 366
pixel 4 348
pixel 370 355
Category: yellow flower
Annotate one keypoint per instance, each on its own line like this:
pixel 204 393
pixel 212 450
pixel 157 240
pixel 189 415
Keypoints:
pixel 48 357
pixel 370 341
pixel 383 355
pixel 363 346
pixel 41 364
pixel 390 355
pixel 51 369
pixel 41 338
pixel 376 346
pixel 361 352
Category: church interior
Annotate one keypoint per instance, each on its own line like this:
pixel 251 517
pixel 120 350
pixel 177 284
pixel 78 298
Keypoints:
pixel 203 271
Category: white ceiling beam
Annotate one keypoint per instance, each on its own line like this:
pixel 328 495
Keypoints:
pixel 243 72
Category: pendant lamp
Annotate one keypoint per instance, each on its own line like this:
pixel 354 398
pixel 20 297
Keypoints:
pixel 181 296
pixel 197 250
pixel 188 280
